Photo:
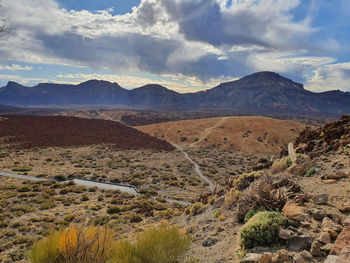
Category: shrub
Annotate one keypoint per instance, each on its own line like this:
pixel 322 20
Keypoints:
pixel 261 230
pixel 217 213
pixel 311 172
pixel 164 244
pixel 60 178
pixel 75 244
pixel 48 204
pixel 25 168
pixel 195 209
pixel 114 210
pixel 263 195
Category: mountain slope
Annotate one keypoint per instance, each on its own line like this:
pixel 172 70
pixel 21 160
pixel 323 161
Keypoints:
pixel 264 92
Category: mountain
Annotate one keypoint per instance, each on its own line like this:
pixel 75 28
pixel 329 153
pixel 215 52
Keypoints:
pixel 265 92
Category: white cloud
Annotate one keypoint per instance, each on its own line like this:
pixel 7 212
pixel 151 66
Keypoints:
pixel 198 38
pixel 330 76
pixel 15 67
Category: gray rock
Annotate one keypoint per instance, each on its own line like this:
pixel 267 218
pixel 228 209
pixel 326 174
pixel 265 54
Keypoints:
pixel 318 214
pixel 285 234
pixel 209 242
pixel 321 199
pixel 299 243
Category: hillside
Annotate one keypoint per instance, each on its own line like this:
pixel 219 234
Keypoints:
pixel 244 134
pixel 262 92
pixel 27 132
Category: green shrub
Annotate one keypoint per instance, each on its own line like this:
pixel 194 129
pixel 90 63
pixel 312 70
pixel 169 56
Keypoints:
pixel 195 209
pixel 156 245
pixel 250 214
pixel 217 213
pixel 46 250
pixel 261 230
pixel 288 161
pixel 114 210
pixel 311 172
pixel 24 168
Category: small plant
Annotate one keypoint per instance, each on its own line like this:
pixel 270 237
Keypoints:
pixel 261 230
pixel 289 161
pixel 217 213
pixel 195 209
pixel 114 210
pixel 250 214
pixel 60 178
pixel 311 172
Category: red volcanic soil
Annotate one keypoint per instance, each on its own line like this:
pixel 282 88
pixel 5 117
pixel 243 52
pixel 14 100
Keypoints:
pixel 57 131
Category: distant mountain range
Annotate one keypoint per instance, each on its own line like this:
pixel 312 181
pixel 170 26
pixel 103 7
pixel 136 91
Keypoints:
pixel 265 92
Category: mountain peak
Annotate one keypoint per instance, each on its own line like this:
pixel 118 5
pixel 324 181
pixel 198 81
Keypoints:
pixel 265 77
pixel 12 84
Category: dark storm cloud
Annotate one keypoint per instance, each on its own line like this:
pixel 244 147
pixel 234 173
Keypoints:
pixel 143 52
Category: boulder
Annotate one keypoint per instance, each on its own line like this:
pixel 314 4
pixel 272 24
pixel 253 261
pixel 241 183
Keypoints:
pixel 293 211
pixel 285 234
pixel 321 199
pixel 299 243
pixel 324 238
pixel 342 241
pixel 318 214
pixel 327 248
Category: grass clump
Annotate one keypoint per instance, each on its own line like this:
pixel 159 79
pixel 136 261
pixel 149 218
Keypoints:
pixel 75 244
pixel 164 244
pixel 261 230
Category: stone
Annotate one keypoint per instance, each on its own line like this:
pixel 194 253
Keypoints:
pixel 321 199
pixel 329 223
pixel 316 248
pixel 251 258
pixel 306 255
pixel 324 238
pixel 347 221
pixel 293 211
pixel 342 241
pixel 285 234
pixel 209 242
pixel 298 259
pixel 281 256
pixel 318 214
pixel 327 248
pixel 266 258
pixel 330 181
pixel 299 243
pixel 331 259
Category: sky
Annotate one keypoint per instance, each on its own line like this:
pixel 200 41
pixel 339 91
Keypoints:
pixel 184 45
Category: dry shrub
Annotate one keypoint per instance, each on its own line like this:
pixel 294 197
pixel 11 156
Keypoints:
pixel 262 194
pixel 75 244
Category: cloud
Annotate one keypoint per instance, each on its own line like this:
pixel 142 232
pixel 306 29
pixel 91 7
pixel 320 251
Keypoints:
pixel 201 39
pixel 330 76
pixel 15 67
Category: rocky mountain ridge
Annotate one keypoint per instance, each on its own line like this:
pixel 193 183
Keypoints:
pixel 264 92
